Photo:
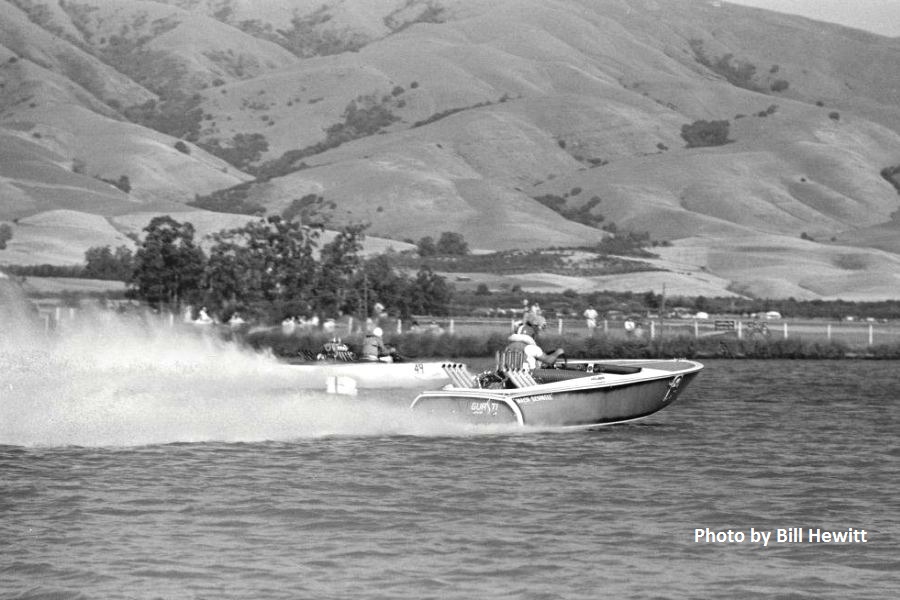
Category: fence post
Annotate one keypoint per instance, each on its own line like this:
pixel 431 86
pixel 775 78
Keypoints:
pixel 871 332
pixel 785 331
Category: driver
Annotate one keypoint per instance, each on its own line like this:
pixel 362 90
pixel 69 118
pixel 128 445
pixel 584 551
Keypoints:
pixel 373 348
pixel 523 341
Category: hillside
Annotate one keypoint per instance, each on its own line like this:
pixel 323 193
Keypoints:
pixel 423 116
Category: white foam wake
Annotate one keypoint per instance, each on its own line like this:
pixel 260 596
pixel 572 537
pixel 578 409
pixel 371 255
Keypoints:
pixel 106 380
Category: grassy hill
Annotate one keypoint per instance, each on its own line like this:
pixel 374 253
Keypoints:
pixel 423 116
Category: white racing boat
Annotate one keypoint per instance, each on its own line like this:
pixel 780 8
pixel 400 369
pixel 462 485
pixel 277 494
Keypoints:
pixel 338 370
pixel 346 377
pixel 577 393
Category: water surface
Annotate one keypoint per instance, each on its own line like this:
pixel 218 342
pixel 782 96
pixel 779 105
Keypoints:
pixel 202 474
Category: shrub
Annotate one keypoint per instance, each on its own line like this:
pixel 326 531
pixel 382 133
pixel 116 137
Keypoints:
pixel 779 85
pixel 834 116
pixel 738 73
pixel 311 209
pixel 182 147
pixel 452 243
pixel 5 235
pixel 890 174
pixel 231 200
pixel 705 133
pixel 123 183
pixel 244 150
pixel 426 246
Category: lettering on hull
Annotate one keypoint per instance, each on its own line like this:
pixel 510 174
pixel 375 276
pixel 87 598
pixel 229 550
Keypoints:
pixel 535 398
pixel 483 408
pixel 672 389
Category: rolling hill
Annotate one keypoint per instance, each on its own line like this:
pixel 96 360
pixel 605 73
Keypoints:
pixel 424 116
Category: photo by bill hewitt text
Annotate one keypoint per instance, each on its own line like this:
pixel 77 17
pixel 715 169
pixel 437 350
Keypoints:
pixel 787 535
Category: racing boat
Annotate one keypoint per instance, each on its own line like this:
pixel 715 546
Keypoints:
pixel 576 393
pixel 338 370
pixel 346 377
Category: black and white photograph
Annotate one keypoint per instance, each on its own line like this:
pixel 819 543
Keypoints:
pixel 449 299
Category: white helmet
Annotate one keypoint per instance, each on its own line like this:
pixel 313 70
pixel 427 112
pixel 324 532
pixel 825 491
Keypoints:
pixel 377 332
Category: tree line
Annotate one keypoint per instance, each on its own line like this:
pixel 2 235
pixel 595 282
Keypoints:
pixel 269 269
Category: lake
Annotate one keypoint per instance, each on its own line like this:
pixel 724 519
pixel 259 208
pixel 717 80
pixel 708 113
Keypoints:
pixel 146 469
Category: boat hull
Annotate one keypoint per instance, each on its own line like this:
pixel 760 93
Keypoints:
pixel 586 401
pixel 370 375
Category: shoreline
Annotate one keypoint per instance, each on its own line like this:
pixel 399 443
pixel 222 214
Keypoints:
pixel 417 346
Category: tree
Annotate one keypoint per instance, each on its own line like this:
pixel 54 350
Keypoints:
pixel 430 294
pixel 651 300
pixel 451 242
pixel 123 183
pixel 266 265
pixel 102 263
pixel 310 210
pixel 705 133
pixel 377 281
pixel 339 262
pixel 168 266
pixel 5 235
pixel 426 246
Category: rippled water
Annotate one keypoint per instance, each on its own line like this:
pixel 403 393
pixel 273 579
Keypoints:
pixel 205 476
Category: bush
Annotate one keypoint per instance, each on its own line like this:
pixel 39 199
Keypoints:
pixel 5 235
pixel 231 200
pixel 244 149
pixel 182 147
pixel 705 133
pixel 834 116
pixel 582 214
pixel 779 85
pixel 123 183
pixel 311 209
pixel 738 73
pixel 452 243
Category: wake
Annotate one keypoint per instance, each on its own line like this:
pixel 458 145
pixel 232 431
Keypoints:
pixel 108 380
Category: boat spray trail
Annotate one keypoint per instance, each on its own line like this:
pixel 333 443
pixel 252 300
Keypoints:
pixel 109 380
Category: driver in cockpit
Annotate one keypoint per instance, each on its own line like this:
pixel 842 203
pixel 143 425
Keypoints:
pixel 523 340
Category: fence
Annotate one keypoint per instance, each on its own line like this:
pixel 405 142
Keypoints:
pixel 851 333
